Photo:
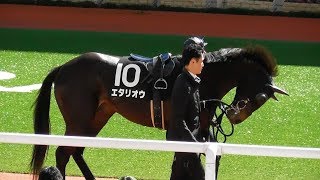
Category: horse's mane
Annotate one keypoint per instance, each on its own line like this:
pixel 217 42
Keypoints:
pixel 250 54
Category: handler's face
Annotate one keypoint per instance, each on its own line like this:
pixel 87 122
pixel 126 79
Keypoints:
pixel 198 64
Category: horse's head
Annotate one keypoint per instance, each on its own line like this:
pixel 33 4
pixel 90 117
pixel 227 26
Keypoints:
pixel 254 84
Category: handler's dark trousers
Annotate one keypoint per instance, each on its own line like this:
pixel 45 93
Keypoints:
pixel 187 166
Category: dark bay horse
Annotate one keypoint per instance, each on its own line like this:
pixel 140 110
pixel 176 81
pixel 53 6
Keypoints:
pixel 90 88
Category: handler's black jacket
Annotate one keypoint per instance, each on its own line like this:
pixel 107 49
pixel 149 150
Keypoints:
pixel 185 103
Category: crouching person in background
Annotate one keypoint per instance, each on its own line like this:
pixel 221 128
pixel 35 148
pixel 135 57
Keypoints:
pixel 50 173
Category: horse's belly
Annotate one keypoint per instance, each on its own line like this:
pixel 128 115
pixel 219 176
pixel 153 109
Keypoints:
pixel 140 112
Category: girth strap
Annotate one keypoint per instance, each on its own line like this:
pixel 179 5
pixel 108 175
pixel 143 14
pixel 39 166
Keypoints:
pixel 157 117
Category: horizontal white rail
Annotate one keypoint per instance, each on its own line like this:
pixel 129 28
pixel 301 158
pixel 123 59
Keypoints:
pixel 156 145
pixel 79 141
pixel 273 151
pixel 210 149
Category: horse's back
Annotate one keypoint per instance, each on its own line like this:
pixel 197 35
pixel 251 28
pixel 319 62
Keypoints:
pixel 88 64
pixel 92 59
pixel 85 74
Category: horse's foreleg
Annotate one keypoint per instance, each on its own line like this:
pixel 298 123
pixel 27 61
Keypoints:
pixel 213 139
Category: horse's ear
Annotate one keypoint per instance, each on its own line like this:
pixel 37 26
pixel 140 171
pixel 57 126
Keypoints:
pixel 278 90
pixel 274 97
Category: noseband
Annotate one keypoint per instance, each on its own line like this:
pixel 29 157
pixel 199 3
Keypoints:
pixel 239 106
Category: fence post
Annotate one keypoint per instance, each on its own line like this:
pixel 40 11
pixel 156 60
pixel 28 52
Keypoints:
pixel 211 154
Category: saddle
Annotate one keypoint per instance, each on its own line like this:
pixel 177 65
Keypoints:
pixel 159 67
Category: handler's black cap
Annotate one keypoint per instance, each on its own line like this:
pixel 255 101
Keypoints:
pixel 194 40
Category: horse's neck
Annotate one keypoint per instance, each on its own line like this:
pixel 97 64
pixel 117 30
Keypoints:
pixel 218 79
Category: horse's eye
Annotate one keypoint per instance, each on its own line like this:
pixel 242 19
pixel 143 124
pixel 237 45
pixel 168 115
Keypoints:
pixel 261 98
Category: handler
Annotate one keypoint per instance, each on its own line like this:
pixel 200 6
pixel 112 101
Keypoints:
pixel 185 123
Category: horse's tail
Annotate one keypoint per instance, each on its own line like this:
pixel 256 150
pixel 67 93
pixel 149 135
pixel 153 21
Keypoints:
pixel 41 120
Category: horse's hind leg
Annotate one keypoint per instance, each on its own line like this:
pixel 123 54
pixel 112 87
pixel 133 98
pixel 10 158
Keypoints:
pixel 63 156
pixel 78 109
pixel 62 159
pixel 78 158
pixel 102 116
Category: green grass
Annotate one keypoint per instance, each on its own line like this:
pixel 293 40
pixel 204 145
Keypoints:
pixel 77 42
pixel 293 121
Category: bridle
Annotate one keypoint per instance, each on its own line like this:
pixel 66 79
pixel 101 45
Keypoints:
pixel 216 120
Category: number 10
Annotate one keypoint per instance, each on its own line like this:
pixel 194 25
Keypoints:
pixel 124 75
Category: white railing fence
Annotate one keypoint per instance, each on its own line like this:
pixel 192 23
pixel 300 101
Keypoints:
pixel 210 149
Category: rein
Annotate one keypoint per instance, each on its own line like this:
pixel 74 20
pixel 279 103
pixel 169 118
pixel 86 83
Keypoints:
pixel 216 120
